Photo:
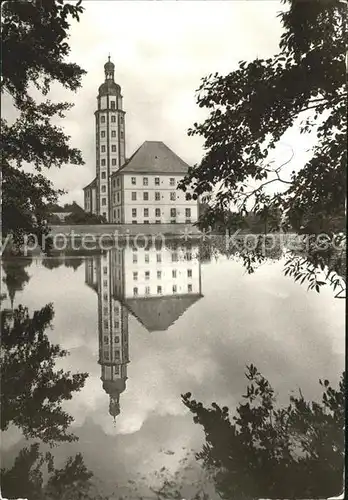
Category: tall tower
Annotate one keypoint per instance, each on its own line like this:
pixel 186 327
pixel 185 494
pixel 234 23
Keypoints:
pixel 110 138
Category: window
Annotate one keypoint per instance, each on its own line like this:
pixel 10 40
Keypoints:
pixel 189 273
pixel 113 161
pixel 103 162
pixel 103 149
pixel 117 354
pixel 105 270
pixel 146 222
pixel 106 323
pixel 103 188
pixel 121 119
pixel 172 196
pixel 158 212
pixel 121 134
pixel 113 118
pixel 147 275
pixel 114 214
pixel 157 181
pixel 113 133
pixel 117 310
pixel 188 212
pixel 145 196
pixel 135 258
pixel 134 222
pixel 134 212
pixel 134 181
pixel 174 288
pixel 146 212
pixel 135 291
pixel 106 355
pixel 159 257
pixel 134 196
pixel 174 257
pixel 105 282
pixel 159 275
pixel 187 221
pixel 174 273
pixel 113 104
pixel 172 181
pixel 189 288
pixel 113 148
pixel 147 258
pixel 147 290
pixel 159 289
pixel 188 256
pixel 102 133
pixel 103 175
pixel 173 212
pixel 135 276
pixel 102 119
pixel 157 196
pixel 117 370
pixel 157 221
pixel 145 181
pixel 103 201
pixel 105 296
pixel 118 197
pixel 106 339
pixel 117 339
pixel 117 324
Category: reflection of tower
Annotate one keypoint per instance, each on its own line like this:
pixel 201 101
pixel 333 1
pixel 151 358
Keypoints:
pixel 157 285
pixel 112 326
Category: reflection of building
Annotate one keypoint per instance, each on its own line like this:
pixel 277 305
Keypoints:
pixel 142 189
pixel 156 285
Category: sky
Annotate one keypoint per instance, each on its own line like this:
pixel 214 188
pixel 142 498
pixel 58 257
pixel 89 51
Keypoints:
pixel 161 50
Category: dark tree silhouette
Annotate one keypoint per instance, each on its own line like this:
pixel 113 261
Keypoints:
pixel 74 262
pixel 265 451
pixel 250 110
pixel 25 478
pixel 32 390
pixel 34 51
pixel 16 275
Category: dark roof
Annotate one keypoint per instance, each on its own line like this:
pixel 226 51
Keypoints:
pixel 114 387
pixel 157 314
pixel 91 184
pixel 109 88
pixel 156 157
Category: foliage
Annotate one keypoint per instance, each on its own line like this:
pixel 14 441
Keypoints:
pixel 34 50
pixel 32 390
pixel 296 451
pixel 15 275
pixel 303 86
pixel 84 218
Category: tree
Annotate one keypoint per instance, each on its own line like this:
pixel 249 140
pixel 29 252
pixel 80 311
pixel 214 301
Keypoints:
pixel 16 275
pixel 34 51
pixel 296 451
pixel 32 390
pixel 303 86
pixel 84 218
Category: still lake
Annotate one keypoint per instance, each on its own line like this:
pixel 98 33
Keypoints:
pixel 148 328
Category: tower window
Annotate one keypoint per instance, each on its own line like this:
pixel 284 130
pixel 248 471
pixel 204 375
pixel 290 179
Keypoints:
pixel 103 162
pixel 103 175
pixel 113 161
pixel 102 119
pixel 172 181
pixel 113 148
pixel 117 354
pixel 118 197
pixel 145 181
pixel 134 196
pixel 113 104
pixel 102 133
pixel 103 149
pixel 113 118
pixel 103 201
pixel 103 188
pixel 145 195
pixel 121 134
pixel 113 133
pixel 121 119
pixel 157 181
pixel 172 196
pixel 157 196
pixel 117 339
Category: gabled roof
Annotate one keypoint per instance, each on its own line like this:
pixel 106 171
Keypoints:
pixel 157 314
pixel 156 157
pixel 91 184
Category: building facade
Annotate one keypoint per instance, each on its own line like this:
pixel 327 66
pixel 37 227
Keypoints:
pixel 142 189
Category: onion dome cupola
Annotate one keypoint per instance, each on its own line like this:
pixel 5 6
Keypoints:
pixel 109 87
pixel 114 388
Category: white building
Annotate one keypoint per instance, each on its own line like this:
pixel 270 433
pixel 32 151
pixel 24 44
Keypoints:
pixel 155 285
pixel 142 189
